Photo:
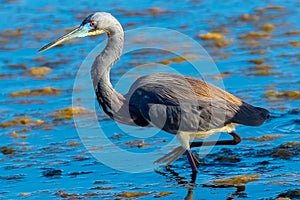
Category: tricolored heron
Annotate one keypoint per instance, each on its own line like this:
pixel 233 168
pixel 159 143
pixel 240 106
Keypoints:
pixel 181 105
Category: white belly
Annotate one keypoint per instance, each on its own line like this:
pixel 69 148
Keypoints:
pixel 204 134
pixel 185 137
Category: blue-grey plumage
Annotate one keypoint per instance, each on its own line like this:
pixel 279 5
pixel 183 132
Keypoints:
pixel 188 104
pixel 181 105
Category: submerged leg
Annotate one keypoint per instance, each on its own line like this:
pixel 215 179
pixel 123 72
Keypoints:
pixel 196 160
pixel 191 160
pixel 184 139
pixel 236 139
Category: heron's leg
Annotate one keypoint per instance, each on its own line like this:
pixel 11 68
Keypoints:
pixel 184 139
pixel 196 160
pixel 236 139
pixel 191 160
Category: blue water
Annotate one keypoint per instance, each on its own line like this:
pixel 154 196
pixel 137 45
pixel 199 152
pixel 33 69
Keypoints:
pixel 45 163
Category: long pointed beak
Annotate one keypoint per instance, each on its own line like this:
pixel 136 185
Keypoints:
pixel 78 32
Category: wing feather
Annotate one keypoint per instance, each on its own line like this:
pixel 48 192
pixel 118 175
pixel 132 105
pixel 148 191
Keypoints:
pixel 180 103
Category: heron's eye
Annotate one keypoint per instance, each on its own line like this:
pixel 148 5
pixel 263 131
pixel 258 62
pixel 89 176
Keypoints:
pixel 93 24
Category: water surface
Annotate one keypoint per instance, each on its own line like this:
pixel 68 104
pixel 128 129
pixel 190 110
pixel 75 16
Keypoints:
pixel 45 157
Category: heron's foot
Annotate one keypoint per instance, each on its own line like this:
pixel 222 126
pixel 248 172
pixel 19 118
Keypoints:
pixel 236 139
pixel 175 154
pixel 171 157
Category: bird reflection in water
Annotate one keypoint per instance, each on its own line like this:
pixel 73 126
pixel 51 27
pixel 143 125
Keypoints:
pixel 175 176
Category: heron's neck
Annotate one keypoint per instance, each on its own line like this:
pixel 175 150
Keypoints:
pixel 100 71
pixel 104 61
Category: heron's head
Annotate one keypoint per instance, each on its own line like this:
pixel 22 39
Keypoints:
pixel 94 24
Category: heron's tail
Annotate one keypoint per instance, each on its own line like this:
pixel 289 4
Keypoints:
pixel 250 115
pixel 171 157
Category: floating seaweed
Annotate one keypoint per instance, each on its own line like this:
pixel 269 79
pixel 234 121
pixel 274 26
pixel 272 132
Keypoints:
pixel 137 143
pixel 257 61
pixel 290 94
pixel 260 70
pixel 248 17
pixel 255 35
pixel 48 91
pixel 178 59
pixel 9 33
pixel 163 194
pixel 7 150
pixel 18 66
pixel 15 134
pixel 68 113
pixel 218 39
pixel 237 180
pixel 21 121
pixel 268 27
pixel 264 138
pixel 38 71
pixel 291 33
pixel 295 43
pixel 133 194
